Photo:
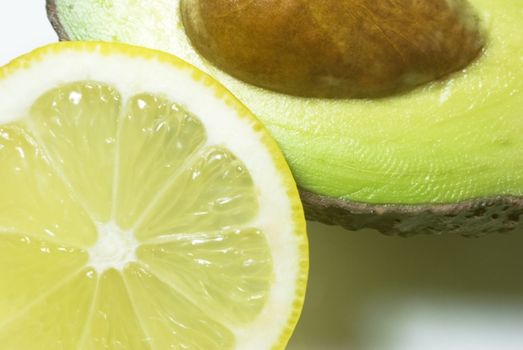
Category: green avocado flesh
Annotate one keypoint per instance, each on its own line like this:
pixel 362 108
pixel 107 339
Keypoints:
pixel 446 142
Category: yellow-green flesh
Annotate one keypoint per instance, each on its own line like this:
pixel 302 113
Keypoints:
pixel 84 165
pixel 445 142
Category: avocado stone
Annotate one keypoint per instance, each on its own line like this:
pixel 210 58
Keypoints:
pixel 444 157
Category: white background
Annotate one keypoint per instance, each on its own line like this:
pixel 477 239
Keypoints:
pixel 368 291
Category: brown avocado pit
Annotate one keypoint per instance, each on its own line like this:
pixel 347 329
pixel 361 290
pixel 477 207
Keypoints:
pixel 333 48
pixel 443 156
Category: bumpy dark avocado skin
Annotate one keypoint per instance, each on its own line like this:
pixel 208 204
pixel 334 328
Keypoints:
pixel 471 218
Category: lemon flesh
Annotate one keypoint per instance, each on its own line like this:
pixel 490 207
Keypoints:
pixel 124 226
pixel 445 142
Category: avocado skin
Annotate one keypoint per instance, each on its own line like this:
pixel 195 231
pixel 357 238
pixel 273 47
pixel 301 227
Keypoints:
pixel 52 15
pixel 471 218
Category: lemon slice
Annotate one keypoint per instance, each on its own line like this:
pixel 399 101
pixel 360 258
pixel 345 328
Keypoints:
pixel 141 207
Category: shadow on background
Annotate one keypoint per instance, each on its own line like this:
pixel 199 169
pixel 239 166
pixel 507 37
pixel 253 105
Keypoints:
pixel 367 291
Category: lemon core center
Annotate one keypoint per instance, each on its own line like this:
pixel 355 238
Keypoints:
pixel 114 248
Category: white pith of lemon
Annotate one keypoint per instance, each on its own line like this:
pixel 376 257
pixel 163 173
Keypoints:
pixel 141 207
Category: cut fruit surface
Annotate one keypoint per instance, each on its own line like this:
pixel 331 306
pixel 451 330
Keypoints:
pixel 450 148
pixel 141 207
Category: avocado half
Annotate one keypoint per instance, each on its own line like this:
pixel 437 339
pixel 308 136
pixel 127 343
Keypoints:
pixel 444 157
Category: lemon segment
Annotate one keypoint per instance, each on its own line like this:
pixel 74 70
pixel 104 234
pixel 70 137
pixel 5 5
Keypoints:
pixel 227 273
pixel 171 320
pixel 52 320
pixel 79 121
pixel 34 201
pixel 112 322
pixel 30 268
pixel 154 134
pixel 214 191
